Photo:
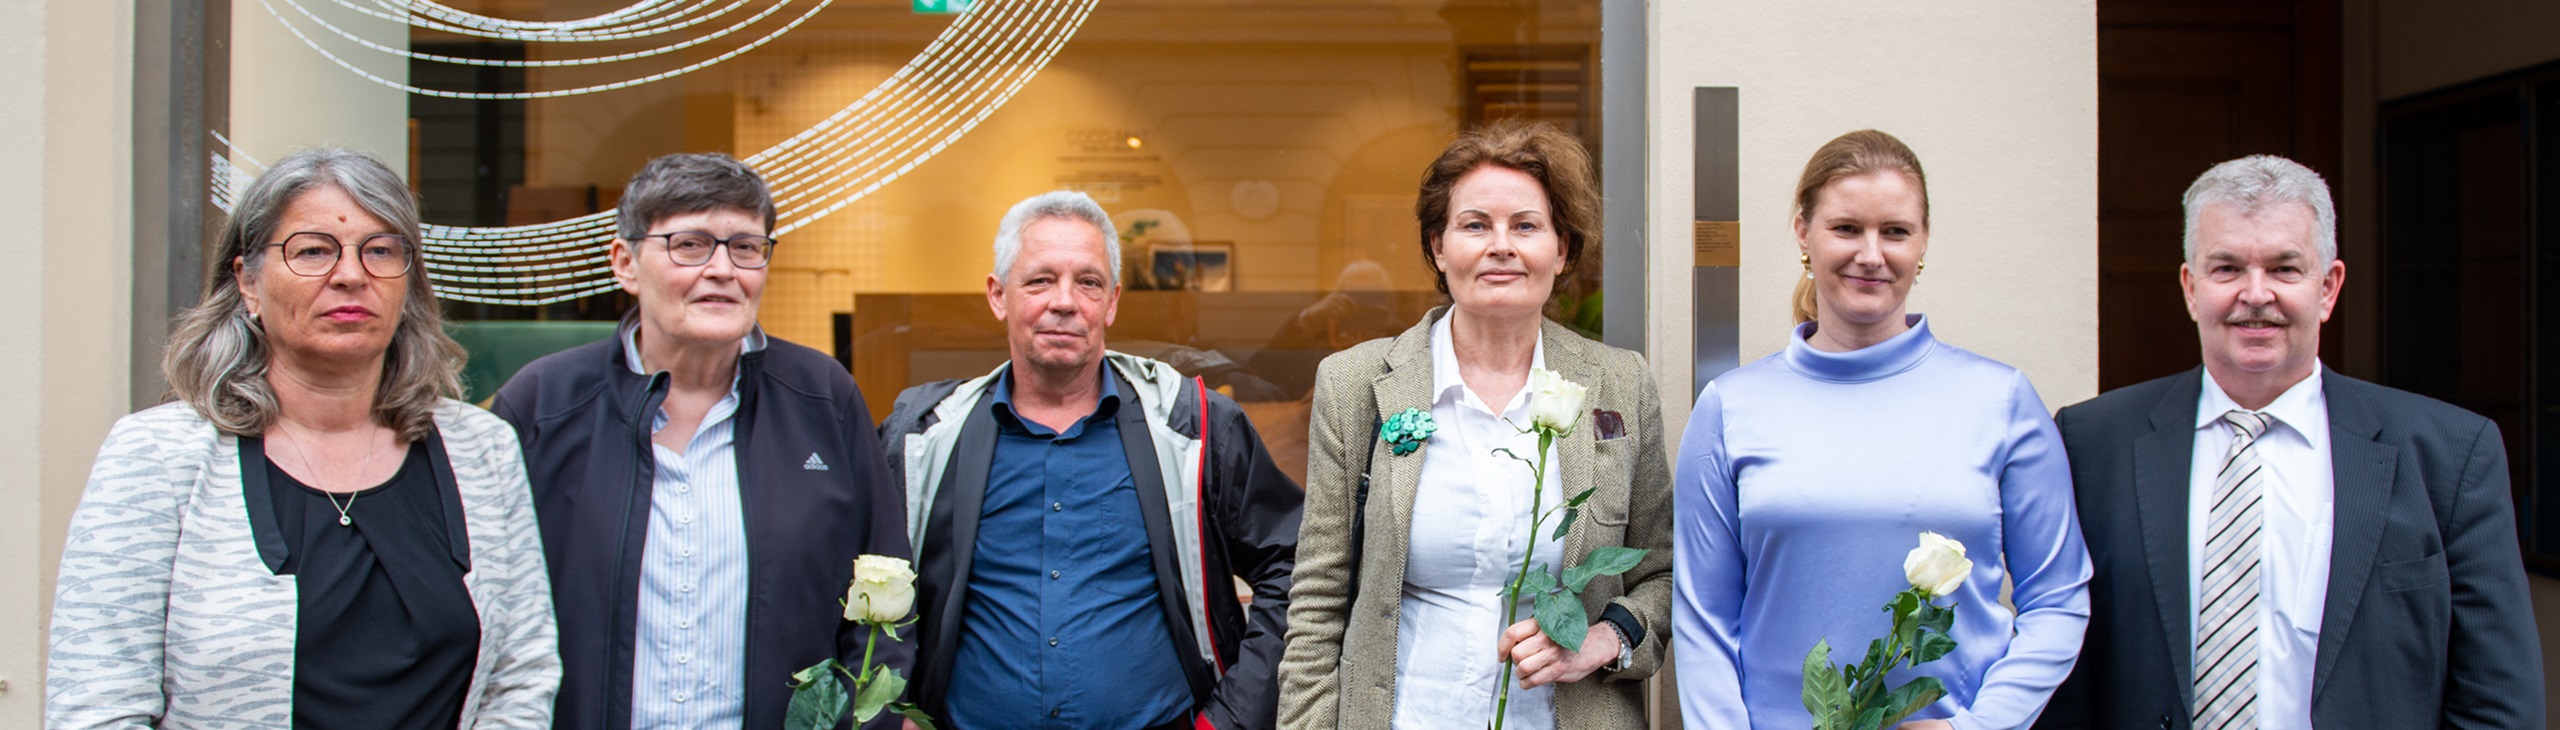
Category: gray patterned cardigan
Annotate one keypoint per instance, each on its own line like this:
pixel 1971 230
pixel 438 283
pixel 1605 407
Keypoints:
pixel 166 616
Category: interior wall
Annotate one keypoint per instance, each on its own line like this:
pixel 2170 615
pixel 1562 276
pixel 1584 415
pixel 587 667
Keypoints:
pixel 1302 154
pixel 70 68
pixel 1998 97
pixel 286 96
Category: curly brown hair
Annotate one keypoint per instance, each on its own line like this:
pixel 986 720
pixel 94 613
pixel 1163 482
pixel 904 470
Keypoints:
pixel 1556 160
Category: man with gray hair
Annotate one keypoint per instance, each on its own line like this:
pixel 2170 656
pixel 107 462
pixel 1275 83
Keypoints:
pixel 703 488
pixel 2276 545
pixel 1079 514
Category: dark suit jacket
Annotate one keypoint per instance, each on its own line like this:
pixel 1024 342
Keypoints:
pixel 2428 623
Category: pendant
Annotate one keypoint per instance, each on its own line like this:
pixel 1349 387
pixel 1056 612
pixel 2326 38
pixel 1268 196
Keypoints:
pixel 343 520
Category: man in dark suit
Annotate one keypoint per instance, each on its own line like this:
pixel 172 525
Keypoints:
pixel 2280 546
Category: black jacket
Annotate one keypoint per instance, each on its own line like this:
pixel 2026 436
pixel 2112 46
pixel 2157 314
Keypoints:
pixel 584 419
pixel 1249 531
pixel 2428 623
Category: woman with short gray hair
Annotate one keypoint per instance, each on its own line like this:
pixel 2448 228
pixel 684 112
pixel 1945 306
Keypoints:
pixel 315 533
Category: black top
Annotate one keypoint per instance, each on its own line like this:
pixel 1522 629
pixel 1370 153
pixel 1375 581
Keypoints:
pixel 387 633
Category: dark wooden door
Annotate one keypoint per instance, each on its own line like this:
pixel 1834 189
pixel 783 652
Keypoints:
pixel 2181 86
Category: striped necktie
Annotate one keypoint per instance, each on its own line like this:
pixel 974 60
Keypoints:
pixel 2227 640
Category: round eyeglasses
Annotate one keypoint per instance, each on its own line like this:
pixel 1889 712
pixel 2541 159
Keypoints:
pixel 693 248
pixel 312 253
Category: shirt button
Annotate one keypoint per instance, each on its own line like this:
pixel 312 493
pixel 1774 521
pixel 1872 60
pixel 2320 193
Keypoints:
pixel 1053 712
pixel 1053 641
pixel 687 552
pixel 1057 506
pixel 684 623
pixel 687 520
pixel 1053 575
pixel 682 489
pixel 683 659
pixel 688 588
pixel 680 697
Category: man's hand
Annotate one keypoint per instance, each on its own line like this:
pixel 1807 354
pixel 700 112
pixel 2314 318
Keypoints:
pixel 1542 661
pixel 1927 725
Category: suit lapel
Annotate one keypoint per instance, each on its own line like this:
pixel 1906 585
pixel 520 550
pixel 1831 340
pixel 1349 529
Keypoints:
pixel 2163 462
pixel 2362 479
pixel 1576 454
pixel 1406 384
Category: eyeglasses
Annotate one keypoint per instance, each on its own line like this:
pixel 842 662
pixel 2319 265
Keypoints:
pixel 693 248
pixel 312 253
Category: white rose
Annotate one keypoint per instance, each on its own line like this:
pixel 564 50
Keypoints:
pixel 1555 404
pixel 1938 565
pixel 884 590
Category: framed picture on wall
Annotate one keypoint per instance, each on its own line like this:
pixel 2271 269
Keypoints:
pixel 1205 267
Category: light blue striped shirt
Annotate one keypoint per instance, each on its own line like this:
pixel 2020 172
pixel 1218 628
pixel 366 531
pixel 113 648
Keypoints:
pixel 690 665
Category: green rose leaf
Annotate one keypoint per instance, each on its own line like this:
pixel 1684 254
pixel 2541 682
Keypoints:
pixel 1937 618
pixel 1570 513
pixel 1560 614
pixel 1537 582
pixel 877 692
pixel 1826 694
pixel 1903 604
pixel 817 699
pixel 1873 666
pixel 1932 645
pixel 1872 719
pixel 913 714
pixel 1603 561
pixel 1907 699
pixel 1578 499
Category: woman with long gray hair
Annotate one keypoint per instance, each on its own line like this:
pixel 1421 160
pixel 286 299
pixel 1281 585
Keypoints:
pixel 315 533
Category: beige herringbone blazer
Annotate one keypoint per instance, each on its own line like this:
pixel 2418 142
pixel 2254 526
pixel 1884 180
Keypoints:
pixel 1340 667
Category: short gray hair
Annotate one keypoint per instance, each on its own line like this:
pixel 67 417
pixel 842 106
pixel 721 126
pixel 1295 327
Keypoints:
pixel 218 355
pixel 690 183
pixel 1067 204
pixel 2258 182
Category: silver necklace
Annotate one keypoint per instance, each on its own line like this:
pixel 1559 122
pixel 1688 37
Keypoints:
pixel 344 518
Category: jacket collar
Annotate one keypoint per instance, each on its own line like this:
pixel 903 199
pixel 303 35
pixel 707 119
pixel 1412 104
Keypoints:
pixel 1408 384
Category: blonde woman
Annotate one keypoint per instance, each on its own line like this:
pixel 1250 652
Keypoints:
pixel 1805 477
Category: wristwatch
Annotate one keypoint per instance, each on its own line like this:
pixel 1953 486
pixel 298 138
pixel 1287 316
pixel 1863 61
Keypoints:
pixel 1626 649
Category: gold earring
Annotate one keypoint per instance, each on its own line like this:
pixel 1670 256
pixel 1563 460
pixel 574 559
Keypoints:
pixel 1807 260
pixel 1923 268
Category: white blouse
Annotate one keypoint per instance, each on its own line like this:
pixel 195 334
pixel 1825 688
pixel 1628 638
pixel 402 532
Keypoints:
pixel 1470 523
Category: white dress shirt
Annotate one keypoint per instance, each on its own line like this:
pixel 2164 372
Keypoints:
pixel 1470 523
pixel 689 662
pixel 2299 494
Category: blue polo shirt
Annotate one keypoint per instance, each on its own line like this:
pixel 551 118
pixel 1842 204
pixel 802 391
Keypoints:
pixel 1062 626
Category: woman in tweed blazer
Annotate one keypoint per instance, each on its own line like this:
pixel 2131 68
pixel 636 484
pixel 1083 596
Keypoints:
pixel 1395 610
pixel 214 577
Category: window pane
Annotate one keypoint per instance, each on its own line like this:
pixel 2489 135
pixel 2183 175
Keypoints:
pixel 1259 159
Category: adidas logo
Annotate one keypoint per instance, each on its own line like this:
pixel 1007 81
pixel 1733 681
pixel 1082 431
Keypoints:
pixel 814 463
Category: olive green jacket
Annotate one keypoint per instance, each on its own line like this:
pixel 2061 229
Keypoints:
pixel 1340 667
